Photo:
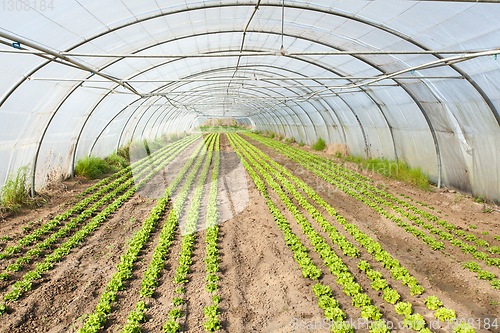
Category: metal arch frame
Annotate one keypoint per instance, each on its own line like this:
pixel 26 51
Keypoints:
pixel 294 6
pixel 332 110
pixel 39 145
pixel 112 119
pixel 218 69
pixel 277 86
pixel 128 119
pixel 170 61
pixel 261 92
pixel 278 113
pixel 344 101
pixel 177 115
pixel 155 120
pixel 145 125
pixel 298 86
pixel 136 74
pixel 153 67
pixel 308 7
pixel 433 132
pixel 228 68
pixel 165 110
pixel 73 159
pixel 142 115
pixel 169 113
pixel 231 68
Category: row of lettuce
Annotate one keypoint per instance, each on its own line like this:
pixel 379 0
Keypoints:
pixel 109 197
pixel 403 213
pixel 198 166
pixel 275 177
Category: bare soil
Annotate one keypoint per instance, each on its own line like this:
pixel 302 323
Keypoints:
pixel 261 286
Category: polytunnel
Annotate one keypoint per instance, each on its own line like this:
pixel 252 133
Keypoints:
pixel 407 80
pixel 249 166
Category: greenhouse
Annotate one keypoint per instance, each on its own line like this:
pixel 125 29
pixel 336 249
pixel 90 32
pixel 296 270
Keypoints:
pixel 249 166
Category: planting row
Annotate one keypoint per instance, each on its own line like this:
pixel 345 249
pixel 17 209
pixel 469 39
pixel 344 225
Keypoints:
pixel 80 207
pixel 368 312
pixel 96 320
pixel 64 249
pixel 404 208
pixel 187 244
pixel 375 203
pixel 67 229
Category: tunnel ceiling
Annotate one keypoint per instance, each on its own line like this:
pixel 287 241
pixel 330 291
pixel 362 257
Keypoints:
pixel 410 80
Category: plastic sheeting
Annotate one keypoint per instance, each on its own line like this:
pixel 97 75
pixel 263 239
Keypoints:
pixel 447 126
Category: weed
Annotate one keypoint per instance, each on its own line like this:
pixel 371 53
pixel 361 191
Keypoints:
pixel 472 226
pixel 146 145
pixel 458 197
pixel 319 145
pixel 338 154
pixel 399 170
pixel 272 135
pixel 116 162
pixel 301 144
pixel 480 199
pixel 15 193
pixel 91 167
pixel 487 210
pixel 124 153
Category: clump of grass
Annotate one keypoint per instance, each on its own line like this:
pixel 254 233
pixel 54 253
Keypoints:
pixel 319 145
pixel 399 170
pixel 272 135
pixel 91 167
pixel 146 145
pixel 95 167
pixel 301 144
pixel 116 162
pixel 157 143
pixel 15 193
pixel 124 152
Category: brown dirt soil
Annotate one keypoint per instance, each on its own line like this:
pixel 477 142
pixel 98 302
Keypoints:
pixel 458 289
pixel 261 285
pixel 56 200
